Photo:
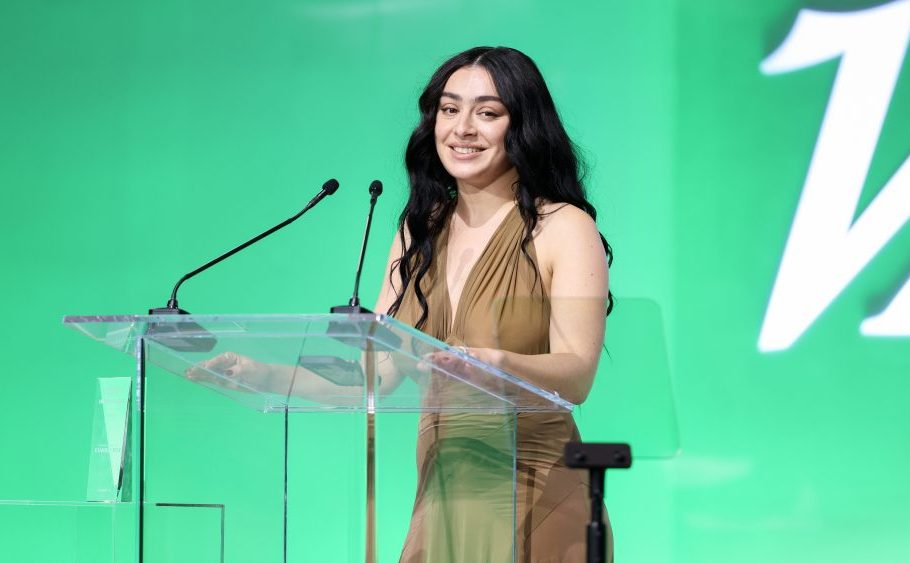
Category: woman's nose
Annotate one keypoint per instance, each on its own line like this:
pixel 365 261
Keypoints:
pixel 465 125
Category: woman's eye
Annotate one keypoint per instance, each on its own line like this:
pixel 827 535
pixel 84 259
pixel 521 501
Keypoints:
pixel 448 110
pixel 489 114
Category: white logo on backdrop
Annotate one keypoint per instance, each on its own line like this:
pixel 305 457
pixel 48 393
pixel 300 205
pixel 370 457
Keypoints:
pixel 827 248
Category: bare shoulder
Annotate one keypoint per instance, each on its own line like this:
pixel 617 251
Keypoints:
pixel 561 222
pixel 568 243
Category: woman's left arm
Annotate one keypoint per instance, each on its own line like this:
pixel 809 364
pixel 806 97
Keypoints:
pixel 570 253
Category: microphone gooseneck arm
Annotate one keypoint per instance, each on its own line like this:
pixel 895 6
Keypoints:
pixel 375 192
pixel 328 188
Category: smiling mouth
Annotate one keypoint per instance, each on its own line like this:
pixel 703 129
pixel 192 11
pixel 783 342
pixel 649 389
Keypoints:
pixel 466 150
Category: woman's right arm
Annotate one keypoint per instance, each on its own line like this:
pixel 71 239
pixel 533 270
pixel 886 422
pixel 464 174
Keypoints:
pixel 390 290
pixel 389 373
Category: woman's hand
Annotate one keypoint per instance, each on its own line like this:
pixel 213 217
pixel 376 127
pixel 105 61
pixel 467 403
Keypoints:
pixel 456 365
pixel 236 371
pixel 490 356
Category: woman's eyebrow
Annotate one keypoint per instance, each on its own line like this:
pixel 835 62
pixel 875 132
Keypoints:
pixel 478 99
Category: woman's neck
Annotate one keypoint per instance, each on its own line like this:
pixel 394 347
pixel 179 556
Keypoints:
pixel 477 204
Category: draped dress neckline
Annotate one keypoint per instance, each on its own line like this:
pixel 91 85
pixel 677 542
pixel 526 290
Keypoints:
pixel 454 313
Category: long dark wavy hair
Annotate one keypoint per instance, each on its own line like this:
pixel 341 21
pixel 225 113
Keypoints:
pixel 549 168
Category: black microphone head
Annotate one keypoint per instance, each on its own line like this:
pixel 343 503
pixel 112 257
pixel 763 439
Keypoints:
pixel 376 188
pixel 330 186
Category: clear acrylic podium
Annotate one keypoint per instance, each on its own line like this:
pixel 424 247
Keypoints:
pixel 292 438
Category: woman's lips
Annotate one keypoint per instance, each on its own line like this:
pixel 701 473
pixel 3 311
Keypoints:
pixel 465 153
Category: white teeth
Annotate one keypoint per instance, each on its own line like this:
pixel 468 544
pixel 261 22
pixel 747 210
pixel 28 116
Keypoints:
pixel 466 150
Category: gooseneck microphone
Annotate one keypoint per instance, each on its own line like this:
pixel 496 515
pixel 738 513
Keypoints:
pixel 328 188
pixel 353 306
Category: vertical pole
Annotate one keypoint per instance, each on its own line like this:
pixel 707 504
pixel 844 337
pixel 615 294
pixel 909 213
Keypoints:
pixel 284 534
pixel 140 401
pixel 371 454
pixel 513 451
pixel 597 533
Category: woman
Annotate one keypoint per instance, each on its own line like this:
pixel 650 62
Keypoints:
pixel 498 252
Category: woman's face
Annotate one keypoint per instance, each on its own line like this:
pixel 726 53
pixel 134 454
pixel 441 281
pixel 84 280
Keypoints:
pixel 471 127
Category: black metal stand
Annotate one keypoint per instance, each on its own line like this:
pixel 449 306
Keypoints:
pixel 597 458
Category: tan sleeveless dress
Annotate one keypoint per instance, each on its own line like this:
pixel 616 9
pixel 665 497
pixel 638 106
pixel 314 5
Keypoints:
pixel 463 508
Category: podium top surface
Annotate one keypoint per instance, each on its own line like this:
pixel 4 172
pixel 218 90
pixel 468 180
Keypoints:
pixel 360 363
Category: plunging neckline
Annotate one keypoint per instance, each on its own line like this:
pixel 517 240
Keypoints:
pixel 452 311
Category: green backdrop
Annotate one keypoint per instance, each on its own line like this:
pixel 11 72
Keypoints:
pixel 139 139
